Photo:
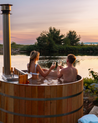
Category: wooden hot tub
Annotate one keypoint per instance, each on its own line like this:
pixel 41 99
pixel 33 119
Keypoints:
pixel 35 103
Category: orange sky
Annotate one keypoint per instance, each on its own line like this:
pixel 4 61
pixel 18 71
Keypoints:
pixel 30 18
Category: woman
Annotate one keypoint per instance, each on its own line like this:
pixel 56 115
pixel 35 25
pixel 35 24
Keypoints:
pixel 34 68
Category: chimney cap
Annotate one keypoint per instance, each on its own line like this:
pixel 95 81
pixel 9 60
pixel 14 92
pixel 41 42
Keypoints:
pixel 5 8
pixel 6 4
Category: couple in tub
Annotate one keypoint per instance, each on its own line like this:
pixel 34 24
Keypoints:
pixel 69 73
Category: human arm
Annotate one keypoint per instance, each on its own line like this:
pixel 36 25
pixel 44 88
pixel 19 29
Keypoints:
pixel 27 66
pixel 59 73
pixel 76 74
pixel 46 72
pixel 44 69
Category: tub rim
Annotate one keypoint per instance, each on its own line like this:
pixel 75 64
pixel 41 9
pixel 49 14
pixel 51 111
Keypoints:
pixel 81 79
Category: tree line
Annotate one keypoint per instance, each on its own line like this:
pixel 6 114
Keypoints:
pixel 52 42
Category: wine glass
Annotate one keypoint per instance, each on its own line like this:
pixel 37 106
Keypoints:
pixel 53 63
pixel 59 63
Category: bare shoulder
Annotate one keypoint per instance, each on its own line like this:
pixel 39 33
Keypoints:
pixel 64 69
pixel 75 70
pixel 38 67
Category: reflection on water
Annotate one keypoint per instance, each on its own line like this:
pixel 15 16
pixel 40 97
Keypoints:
pixel 83 63
pixel 47 63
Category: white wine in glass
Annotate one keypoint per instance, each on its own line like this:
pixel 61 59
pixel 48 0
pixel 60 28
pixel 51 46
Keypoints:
pixel 59 63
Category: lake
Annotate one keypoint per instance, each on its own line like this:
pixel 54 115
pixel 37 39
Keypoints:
pixel 83 63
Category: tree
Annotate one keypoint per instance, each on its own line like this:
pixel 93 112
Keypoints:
pixel 42 41
pixel 73 37
pixel 13 45
pixel 82 44
pixel 49 40
pixel 66 41
pixel 55 35
pixel 51 44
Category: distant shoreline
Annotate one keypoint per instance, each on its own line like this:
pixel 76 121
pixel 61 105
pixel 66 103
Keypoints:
pixel 89 43
pixel 13 51
pixel 80 42
pixel 86 48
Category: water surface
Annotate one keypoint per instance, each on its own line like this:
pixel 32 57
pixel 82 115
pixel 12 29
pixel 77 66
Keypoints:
pixel 83 63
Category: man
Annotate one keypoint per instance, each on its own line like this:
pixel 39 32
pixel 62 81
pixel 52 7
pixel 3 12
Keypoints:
pixel 70 72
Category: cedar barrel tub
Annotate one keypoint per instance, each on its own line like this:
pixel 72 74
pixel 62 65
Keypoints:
pixel 28 103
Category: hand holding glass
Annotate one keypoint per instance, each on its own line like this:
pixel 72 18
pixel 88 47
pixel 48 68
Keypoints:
pixel 53 63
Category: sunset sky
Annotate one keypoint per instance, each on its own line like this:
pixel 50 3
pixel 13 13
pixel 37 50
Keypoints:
pixel 30 17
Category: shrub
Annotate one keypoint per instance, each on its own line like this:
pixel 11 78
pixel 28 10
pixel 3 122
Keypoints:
pixel 88 81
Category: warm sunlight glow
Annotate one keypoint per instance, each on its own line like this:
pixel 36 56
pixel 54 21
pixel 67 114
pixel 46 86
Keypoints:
pixel 29 19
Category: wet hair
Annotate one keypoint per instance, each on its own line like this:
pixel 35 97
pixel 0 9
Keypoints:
pixel 33 55
pixel 71 58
